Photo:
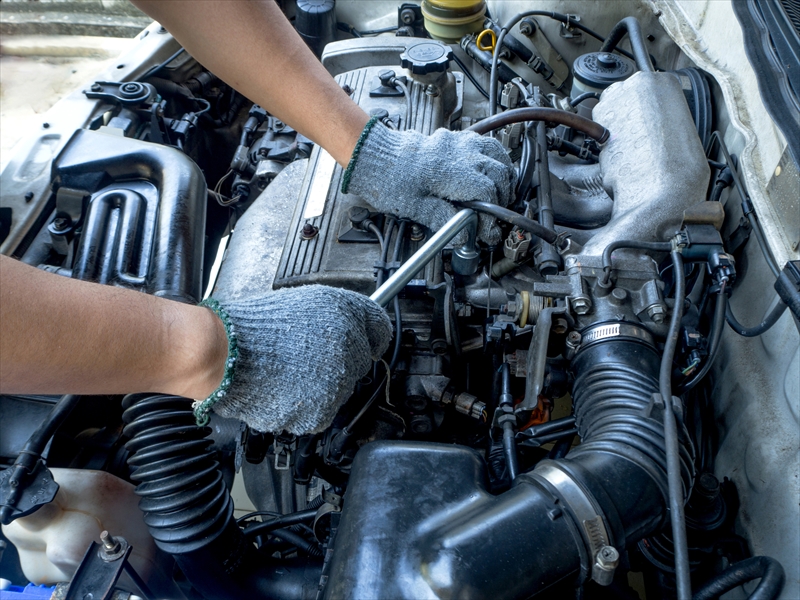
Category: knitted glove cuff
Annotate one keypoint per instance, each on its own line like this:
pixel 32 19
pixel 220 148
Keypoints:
pixel 351 166
pixel 203 408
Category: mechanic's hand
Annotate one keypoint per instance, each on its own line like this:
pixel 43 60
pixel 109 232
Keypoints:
pixel 413 175
pixel 300 353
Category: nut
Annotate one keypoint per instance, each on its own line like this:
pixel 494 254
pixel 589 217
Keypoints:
pixel 656 313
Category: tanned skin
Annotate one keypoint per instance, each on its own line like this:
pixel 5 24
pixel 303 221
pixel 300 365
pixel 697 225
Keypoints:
pixel 59 335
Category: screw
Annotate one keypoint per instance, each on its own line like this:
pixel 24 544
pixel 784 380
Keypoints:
pixel 96 87
pixel 573 337
pixel 438 346
pixel 60 223
pixel 46 125
pixel 109 543
pixel 407 16
pixel 431 90
pixel 347 89
pixel 581 305
pixel 309 231
pixel 656 313
pixel 28 196
pixel 417 234
pixel 608 557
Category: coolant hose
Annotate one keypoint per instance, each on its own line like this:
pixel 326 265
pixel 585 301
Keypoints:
pixel 630 26
pixel 767 569
pixel 550 115
pixel 188 509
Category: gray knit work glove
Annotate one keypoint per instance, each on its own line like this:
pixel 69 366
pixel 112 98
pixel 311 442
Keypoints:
pixel 295 356
pixel 411 175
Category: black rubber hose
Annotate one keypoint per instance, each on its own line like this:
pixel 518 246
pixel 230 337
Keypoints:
pixel 302 544
pixel 549 115
pixel 30 454
pixel 677 494
pixel 630 26
pixel 767 569
pixel 188 510
pixel 716 192
pixel 636 245
pixel 770 320
pixel 509 216
pixel 509 441
pixel 280 522
pixel 585 96
pixel 717 324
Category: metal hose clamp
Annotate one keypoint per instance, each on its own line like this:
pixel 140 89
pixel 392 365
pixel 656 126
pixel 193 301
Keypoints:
pixel 604 557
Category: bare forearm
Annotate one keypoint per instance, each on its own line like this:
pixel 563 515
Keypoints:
pixel 62 336
pixel 252 47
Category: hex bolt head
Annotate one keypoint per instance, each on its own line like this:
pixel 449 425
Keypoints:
pixel 28 196
pixel 417 233
pixel 431 90
pixel 656 313
pixel 581 305
pixel 574 338
pixel 608 557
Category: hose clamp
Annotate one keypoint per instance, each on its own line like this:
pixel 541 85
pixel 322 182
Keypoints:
pixel 590 521
pixel 621 329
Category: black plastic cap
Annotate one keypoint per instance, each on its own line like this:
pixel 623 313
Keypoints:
pixel 601 69
pixel 316 23
pixel 426 57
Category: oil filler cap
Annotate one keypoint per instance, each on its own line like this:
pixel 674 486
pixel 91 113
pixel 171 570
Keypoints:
pixel 426 57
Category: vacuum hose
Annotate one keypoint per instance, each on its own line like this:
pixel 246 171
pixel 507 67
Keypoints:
pixel 188 510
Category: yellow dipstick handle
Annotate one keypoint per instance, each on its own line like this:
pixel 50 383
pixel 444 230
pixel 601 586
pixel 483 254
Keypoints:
pixel 481 36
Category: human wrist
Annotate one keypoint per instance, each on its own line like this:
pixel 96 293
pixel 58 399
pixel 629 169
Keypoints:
pixel 201 351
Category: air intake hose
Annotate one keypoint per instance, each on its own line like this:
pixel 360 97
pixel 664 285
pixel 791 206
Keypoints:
pixel 447 537
pixel 188 510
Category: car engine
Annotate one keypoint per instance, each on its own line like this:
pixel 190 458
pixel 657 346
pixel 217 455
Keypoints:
pixel 564 414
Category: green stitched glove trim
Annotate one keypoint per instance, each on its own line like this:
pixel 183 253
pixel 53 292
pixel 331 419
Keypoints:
pixel 352 164
pixel 202 409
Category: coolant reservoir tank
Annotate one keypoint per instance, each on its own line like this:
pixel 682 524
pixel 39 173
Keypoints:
pixel 52 541
pixel 594 72
pixel 450 20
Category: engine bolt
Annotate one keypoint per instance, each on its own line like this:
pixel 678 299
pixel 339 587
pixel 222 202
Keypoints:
pixel 581 305
pixel 407 16
pixel 60 223
pixel 573 337
pixel 417 233
pixel 28 196
pixel 309 231
pixel 527 27
pixel 656 313
pixel 96 87
pixel 109 543
pixel 431 90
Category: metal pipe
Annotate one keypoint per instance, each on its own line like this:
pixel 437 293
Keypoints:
pixel 394 285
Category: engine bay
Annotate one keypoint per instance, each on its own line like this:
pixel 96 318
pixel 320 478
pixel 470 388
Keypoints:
pixel 550 406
